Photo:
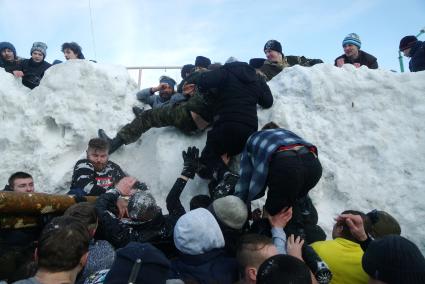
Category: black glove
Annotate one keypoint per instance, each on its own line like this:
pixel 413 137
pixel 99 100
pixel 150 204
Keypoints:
pixel 191 162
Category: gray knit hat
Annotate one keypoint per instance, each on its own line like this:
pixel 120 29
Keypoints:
pixel 39 46
pixel 231 211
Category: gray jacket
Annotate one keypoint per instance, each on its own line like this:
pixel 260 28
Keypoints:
pixel 155 101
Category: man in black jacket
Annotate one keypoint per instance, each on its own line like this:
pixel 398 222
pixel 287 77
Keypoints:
pixel 9 60
pixel 353 54
pixel 35 67
pixel 415 49
pixel 238 90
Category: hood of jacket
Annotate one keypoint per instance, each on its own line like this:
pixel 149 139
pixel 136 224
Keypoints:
pixel 197 232
pixel 242 71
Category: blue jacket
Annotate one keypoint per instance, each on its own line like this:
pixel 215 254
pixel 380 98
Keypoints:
pixel 417 54
pixel 210 267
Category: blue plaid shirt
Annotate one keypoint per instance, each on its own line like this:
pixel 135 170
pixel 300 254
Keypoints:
pixel 256 158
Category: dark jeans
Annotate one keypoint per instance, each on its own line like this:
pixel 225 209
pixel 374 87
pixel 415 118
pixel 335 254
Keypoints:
pixel 291 176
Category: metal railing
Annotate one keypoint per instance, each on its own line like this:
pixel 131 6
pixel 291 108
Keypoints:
pixel 140 69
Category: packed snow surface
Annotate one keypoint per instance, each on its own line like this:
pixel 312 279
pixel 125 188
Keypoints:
pixel 367 125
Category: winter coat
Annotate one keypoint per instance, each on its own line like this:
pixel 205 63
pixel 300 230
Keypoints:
pixel 87 181
pixel 10 66
pixel 417 54
pixel 156 101
pixel 200 241
pixel 364 58
pixel 119 232
pixel 239 89
pixel 33 72
pixel 207 268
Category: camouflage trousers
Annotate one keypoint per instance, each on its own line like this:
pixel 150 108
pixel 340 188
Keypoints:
pixel 178 116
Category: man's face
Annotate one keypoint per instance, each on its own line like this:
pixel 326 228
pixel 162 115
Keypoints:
pixel 273 55
pixel 351 50
pixel 406 52
pixel 23 185
pixel 7 54
pixel 37 56
pixel 99 158
pixel 166 92
pixel 69 54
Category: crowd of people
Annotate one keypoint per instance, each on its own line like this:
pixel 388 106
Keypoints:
pixel 125 237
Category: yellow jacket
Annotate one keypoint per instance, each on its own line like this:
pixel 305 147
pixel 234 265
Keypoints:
pixel 344 258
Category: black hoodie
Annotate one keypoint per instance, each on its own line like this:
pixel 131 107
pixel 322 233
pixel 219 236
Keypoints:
pixel 239 89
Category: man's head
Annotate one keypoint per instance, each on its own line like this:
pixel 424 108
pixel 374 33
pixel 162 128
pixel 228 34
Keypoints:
pixel 200 201
pixel 72 50
pixel 394 259
pixel 63 245
pixel 341 229
pixel 85 212
pixel 21 182
pixel 97 153
pixel 202 63
pixel 167 87
pixel 273 51
pixel 187 70
pixel 230 211
pixel 407 43
pixel 351 45
pixel 283 269
pixel 7 51
pixel 251 252
pixel 38 51
pixel 142 207
pixel 382 224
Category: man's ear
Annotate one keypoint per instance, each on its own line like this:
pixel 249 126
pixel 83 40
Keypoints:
pixel 251 273
pixel 83 259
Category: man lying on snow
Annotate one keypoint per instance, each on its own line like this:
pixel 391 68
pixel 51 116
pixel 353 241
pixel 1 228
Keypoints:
pixel 97 174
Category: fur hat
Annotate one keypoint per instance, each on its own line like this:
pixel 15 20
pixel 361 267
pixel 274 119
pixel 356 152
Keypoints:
pixel 142 206
pixel 197 232
pixel 383 224
pixel 394 259
pixel 352 38
pixel 186 69
pixel 230 211
pixel 202 62
pixel 273 45
pixel 148 264
pixel 5 44
pixel 39 46
pixel 256 62
pixel 407 42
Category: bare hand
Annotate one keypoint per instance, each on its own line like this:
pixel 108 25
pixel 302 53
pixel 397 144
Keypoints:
pixel 122 208
pixel 188 89
pixel 340 62
pixel 355 224
pixel 125 186
pixel 160 87
pixel 281 219
pixel 18 74
pixel 294 246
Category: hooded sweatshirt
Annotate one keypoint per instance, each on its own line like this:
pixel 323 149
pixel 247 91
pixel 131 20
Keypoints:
pixel 200 241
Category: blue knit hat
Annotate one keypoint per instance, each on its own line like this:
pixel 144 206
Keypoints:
pixel 5 44
pixel 353 39
pixel 167 80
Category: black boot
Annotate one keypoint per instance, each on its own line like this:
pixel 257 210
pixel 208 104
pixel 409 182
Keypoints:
pixel 114 143
pixel 138 110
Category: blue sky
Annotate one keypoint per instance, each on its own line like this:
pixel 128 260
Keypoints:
pixel 163 32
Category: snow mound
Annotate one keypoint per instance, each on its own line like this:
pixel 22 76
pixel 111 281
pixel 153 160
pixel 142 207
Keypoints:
pixel 367 125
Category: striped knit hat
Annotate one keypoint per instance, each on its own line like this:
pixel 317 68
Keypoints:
pixel 353 39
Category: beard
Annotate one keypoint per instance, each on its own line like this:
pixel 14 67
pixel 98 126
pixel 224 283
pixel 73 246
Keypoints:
pixel 98 167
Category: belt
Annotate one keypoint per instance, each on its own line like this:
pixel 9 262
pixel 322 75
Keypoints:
pixel 293 152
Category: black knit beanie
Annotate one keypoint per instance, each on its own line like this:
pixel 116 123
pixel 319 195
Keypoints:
pixel 273 45
pixel 394 260
pixel 407 42
pixel 202 61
